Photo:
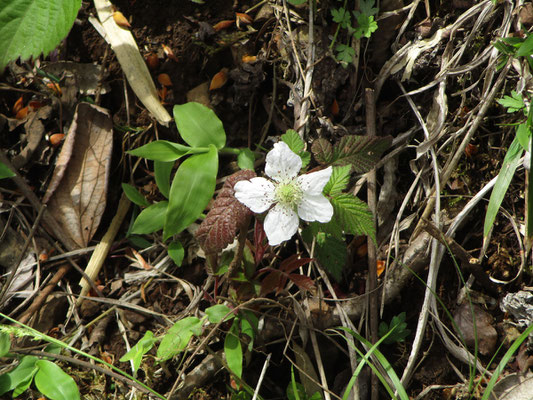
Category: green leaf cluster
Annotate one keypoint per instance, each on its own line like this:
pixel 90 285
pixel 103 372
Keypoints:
pixel 193 185
pixel 29 28
pixel 351 216
pixel 49 378
pixel 360 23
pixel 397 328
pixel 177 338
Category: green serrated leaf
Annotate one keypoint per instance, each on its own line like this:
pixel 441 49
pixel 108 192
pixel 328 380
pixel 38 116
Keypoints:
pixel 332 253
pixel 134 196
pixel 137 352
pixel 362 152
pixel 342 17
pixel 353 215
pixel 55 383
pixel 513 103
pixel 5 172
pixel 306 158
pixel 338 181
pixel 322 151
pixel 31 27
pixel 366 7
pixel 366 26
pixel 151 219
pixel 199 126
pixel 293 140
pixel 345 53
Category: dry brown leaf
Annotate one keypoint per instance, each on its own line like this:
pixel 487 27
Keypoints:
pixel 76 195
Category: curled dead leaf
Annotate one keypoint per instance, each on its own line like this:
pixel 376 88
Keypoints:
pixel 164 80
pixel 121 20
pixel 223 25
pixel 219 79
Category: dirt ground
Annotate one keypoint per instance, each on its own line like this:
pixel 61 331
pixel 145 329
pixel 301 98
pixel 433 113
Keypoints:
pixel 432 69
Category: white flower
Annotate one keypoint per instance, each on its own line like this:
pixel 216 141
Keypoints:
pixel 293 196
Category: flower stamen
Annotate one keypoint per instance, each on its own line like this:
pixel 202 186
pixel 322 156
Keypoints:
pixel 289 194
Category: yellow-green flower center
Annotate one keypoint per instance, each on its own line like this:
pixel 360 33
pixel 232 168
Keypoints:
pixel 289 194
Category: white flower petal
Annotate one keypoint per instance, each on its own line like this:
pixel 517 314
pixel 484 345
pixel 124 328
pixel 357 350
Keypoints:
pixel 257 194
pixel 314 182
pixel 282 163
pixel 281 223
pixel 315 207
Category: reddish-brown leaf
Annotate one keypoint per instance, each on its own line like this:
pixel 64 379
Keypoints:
pixel 302 281
pixel 260 242
pixel 227 215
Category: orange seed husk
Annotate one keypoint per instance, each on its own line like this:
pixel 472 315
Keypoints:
pixel 380 267
pixel 335 108
pixel 223 25
pixel 152 61
pixel 248 59
pixel 54 87
pixel 18 105
pixel 219 79
pixel 168 51
pixel 56 138
pixel 244 18
pixel 22 113
pixel 121 20
pixel 164 80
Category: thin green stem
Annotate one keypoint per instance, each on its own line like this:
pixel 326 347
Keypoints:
pixel 50 339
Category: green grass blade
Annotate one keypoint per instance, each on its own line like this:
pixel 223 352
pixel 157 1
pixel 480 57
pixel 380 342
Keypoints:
pixel 504 361
pixel 510 163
